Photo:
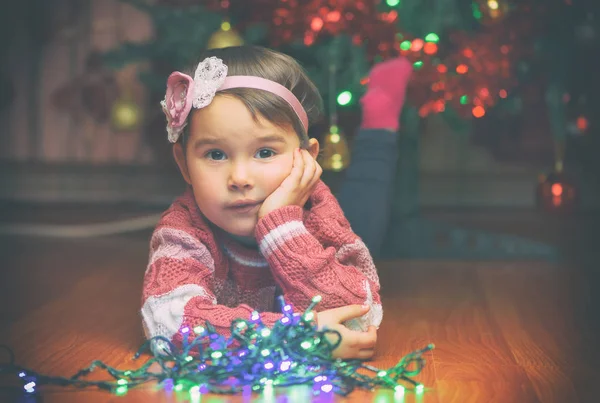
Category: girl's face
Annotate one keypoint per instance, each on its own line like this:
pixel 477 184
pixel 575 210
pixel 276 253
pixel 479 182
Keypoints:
pixel 233 162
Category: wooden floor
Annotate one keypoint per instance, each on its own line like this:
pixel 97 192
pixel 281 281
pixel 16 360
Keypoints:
pixel 504 331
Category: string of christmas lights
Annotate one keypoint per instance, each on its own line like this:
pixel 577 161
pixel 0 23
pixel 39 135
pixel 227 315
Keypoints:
pixel 255 358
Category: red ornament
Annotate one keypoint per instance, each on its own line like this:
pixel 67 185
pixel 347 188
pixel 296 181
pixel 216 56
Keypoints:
pixel 555 193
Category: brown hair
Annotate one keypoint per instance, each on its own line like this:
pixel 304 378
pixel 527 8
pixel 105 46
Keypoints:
pixel 283 69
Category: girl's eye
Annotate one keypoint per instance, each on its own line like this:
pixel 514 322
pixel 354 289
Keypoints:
pixel 216 155
pixel 265 153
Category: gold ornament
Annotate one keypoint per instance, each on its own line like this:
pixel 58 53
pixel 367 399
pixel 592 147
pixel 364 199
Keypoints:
pixel 225 37
pixel 125 114
pixel 335 155
pixel 496 8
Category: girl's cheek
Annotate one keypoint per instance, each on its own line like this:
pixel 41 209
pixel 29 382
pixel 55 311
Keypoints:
pixel 277 174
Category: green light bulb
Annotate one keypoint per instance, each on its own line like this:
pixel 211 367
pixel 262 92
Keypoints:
pixel 406 45
pixel 344 98
pixel 121 390
pixel 392 3
pixel 432 37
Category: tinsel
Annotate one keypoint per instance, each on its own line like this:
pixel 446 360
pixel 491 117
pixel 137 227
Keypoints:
pixel 253 359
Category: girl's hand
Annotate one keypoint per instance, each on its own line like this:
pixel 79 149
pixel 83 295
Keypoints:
pixel 297 187
pixel 355 344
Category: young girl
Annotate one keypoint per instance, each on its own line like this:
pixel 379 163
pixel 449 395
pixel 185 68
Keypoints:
pixel 255 217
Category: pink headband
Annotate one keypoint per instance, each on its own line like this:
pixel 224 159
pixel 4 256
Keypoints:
pixel 183 92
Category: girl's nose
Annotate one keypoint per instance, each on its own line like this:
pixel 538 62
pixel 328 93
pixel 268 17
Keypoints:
pixel 240 177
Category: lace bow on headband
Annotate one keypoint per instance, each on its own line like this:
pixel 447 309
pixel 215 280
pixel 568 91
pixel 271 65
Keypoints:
pixel 183 93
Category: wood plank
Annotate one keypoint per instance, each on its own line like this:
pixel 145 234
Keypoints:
pixel 535 311
pixel 452 391
pixel 503 333
pixel 403 331
pixel 88 309
pixel 471 357
pixel 448 298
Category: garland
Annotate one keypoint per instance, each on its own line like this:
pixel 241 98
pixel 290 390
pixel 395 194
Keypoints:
pixel 255 358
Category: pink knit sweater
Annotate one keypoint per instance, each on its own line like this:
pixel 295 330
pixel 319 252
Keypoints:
pixel 196 272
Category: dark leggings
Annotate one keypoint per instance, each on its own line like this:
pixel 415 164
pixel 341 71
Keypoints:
pixel 366 191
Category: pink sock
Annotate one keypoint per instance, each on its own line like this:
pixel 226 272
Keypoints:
pixel 384 99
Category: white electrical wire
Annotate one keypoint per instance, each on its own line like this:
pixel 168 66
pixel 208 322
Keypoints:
pixel 81 230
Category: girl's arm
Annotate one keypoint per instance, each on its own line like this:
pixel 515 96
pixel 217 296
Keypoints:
pixel 333 263
pixel 178 289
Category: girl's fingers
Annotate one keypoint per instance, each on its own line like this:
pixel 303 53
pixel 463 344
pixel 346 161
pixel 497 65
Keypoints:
pixel 315 175
pixel 318 173
pixel 365 353
pixel 368 339
pixel 297 168
pixel 344 313
pixel 309 168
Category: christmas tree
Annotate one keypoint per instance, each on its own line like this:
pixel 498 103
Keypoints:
pixel 466 54
pixel 473 62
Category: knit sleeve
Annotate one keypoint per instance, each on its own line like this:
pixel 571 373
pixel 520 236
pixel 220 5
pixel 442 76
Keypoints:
pixel 179 288
pixel 338 267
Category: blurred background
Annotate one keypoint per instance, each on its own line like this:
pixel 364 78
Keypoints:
pixel 499 139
